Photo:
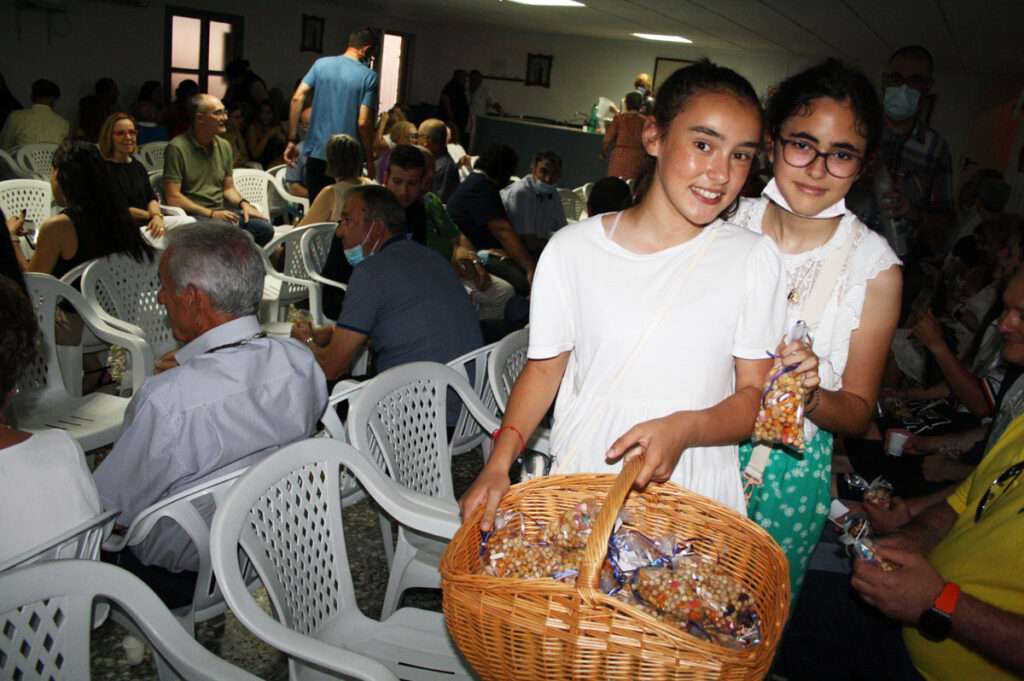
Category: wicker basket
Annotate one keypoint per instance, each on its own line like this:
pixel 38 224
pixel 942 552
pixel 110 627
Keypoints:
pixel 545 629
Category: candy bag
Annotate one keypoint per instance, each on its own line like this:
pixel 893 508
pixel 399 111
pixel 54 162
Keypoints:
pixel 780 419
pixel 878 492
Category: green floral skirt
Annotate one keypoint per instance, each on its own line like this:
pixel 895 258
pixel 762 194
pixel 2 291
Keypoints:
pixel 793 501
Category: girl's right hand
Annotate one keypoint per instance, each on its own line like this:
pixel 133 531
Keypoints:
pixel 487 491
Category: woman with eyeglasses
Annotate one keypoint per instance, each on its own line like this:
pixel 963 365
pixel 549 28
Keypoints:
pixel 824 125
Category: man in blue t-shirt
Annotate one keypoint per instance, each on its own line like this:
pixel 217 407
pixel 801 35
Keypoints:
pixel 344 102
pixel 403 297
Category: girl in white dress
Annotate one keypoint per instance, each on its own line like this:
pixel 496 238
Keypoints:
pixel 824 124
pixel 662 311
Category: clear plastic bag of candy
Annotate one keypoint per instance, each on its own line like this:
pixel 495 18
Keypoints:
pixel 877 492
pixel 780 418
pixel 864 549
pixel 702 598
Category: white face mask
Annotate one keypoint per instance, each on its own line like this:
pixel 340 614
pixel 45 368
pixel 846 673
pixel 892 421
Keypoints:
pixel 772 193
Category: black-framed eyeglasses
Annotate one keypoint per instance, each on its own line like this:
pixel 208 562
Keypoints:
pixel 999 486
pixel 839 164
pixel 916 81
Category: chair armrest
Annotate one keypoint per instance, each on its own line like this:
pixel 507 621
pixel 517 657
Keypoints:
pixel 75 273
pixel 429 515
pixel 331 421
pixel 324 281
pixel 144 522
pixel 283 192
pixel 141 353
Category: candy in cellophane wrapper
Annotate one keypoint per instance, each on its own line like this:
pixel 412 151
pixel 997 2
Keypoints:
pixel 865 549
pixel 878 492
pixel 780 418
pixel 717 609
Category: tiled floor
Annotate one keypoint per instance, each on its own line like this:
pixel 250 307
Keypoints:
pixel 228 639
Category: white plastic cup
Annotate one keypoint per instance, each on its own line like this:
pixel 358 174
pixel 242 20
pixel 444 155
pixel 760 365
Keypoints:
pixel 895 440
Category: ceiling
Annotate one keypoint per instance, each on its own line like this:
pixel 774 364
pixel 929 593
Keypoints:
pixel 977 37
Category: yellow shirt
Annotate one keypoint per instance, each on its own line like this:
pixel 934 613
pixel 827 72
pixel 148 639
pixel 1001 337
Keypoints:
pixel 985 558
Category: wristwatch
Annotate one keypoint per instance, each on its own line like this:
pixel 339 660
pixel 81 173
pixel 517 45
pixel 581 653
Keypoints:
pixel 937 621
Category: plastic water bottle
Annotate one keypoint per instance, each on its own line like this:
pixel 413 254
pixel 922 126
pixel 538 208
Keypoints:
pixel 592 121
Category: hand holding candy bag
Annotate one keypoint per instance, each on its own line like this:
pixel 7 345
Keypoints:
pixel 780 419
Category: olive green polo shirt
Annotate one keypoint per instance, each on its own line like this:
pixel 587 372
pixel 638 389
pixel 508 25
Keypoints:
pixel 200 172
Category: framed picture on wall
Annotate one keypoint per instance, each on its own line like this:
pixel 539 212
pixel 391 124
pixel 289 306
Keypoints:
pixel 666 66
pixel 538 70
pixel 312 34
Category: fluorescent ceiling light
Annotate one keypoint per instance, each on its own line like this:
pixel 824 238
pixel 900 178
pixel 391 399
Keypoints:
pixel 663 38
pixel 550 3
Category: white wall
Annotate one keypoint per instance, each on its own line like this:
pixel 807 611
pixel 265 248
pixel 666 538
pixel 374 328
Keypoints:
pixel 96 38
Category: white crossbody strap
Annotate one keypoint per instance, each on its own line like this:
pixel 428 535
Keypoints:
pixel 562 462
pixel 811 312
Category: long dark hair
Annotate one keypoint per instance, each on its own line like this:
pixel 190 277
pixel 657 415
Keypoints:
pixel 97 207
pixel 673 96
pixel 835 80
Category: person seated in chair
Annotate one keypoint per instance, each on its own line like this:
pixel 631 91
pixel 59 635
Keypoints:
pixel 477 209
pixel 38 124
pixel 532 203
pixel 429 223
pixel 223 401
pixel 34 466
pixel 197 172
pixel 433 134
pixel 402 296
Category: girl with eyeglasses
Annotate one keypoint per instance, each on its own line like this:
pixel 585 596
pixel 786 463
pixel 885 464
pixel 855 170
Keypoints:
pixel 823 127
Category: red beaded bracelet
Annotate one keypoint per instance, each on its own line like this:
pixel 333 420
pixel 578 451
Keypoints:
pixel 522 440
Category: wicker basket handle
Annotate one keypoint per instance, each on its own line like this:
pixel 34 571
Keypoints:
pixel 597 544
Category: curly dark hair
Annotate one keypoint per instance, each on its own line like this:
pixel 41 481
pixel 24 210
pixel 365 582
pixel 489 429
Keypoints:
pixel 835 80
pixel 19 336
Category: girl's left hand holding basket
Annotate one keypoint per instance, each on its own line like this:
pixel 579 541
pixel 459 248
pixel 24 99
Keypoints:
pixel 661 441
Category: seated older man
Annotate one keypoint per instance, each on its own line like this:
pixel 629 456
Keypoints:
pixel 402 296
pixel 197 172
pixel 225 400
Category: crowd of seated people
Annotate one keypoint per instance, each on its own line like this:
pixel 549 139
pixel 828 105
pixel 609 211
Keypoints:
pixel 437 265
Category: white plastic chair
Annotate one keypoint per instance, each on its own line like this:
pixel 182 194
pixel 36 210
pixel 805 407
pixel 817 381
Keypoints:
pixel 156 181
pixel 207 601
pixel 293 285
pixel 36 159
pixel 583 192
pixel 286 514
pixel 81 542
pixel 254 186
pixel 398 420
pixel 35 197
pixel 46 615
pixel 124 294
pixel 43 402
pixel 277 174
pixel 571 205
pixel 10 169
pixel 152 156
pixel 468 433
pixel 314 247
pixel 504 365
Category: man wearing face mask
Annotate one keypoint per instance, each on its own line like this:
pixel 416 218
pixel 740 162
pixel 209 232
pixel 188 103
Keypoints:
pixel 911 190
pixel 532 203
pixel 345 93
pixel 402 296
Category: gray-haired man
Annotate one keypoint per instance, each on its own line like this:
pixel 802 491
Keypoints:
pixel 226 399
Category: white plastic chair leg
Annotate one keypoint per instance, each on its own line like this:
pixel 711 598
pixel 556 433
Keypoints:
pixel 388 535
pixel 393 595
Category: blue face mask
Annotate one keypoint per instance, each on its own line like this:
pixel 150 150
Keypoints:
pixel 901 102
pixel 355 254
pixel 544 187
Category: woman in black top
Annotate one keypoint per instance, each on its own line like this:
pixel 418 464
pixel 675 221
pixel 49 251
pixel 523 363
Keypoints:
pixel 118 144
pixel 94 223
